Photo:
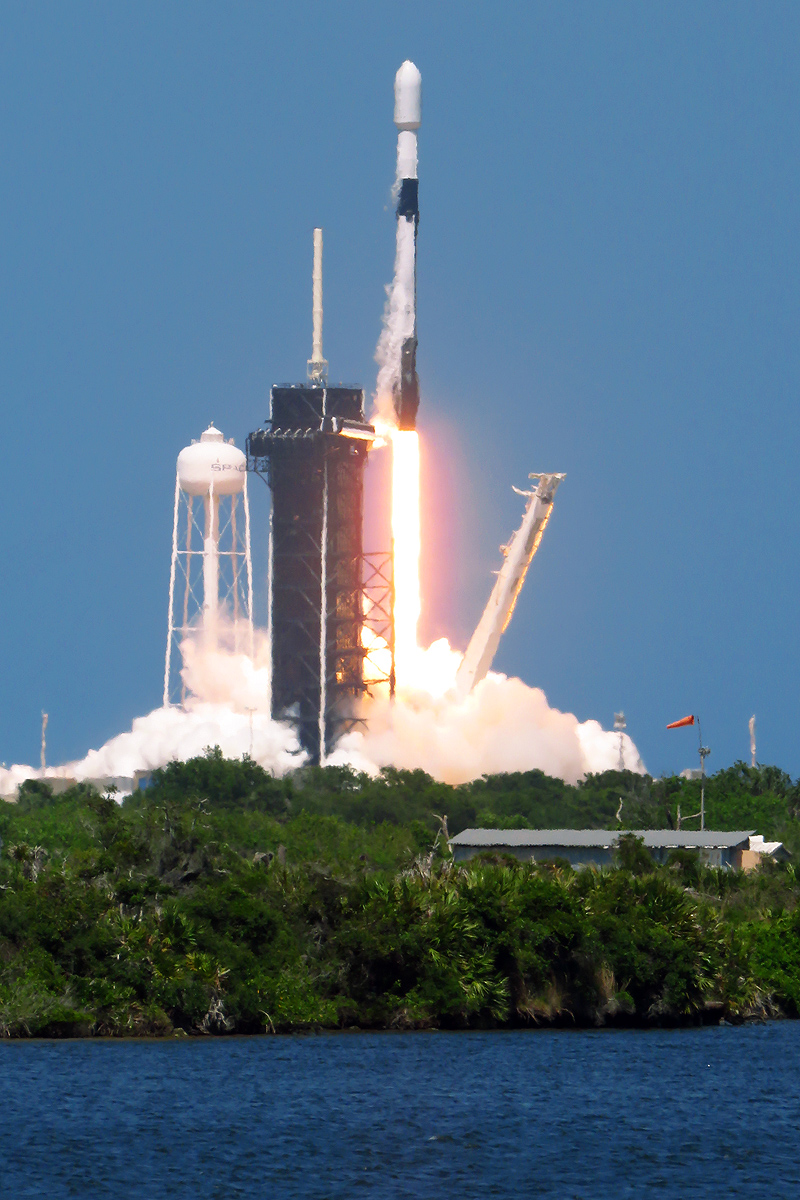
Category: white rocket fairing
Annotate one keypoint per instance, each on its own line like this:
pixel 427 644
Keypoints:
pixel 407 118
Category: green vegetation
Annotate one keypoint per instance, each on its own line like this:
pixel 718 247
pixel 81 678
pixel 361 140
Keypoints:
pixel 222 899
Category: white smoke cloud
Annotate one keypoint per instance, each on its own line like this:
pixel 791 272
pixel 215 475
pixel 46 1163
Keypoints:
pixel 227 705
pixel 503 725
pixel 172 733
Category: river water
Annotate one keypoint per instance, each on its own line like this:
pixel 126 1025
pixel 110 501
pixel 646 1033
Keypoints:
pixel 568 1115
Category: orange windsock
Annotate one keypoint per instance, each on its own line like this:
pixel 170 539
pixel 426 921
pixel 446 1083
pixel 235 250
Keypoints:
pixel 683 721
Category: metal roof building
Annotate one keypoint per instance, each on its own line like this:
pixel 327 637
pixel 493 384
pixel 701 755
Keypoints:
pixel 595 847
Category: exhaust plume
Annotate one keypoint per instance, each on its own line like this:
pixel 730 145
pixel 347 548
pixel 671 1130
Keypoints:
pixel 503 725
pixel 227 705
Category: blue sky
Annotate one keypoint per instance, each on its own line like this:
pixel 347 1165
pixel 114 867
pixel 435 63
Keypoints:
pixel 608 272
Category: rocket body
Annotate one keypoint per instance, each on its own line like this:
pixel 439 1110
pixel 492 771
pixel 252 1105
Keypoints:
pixel 407 117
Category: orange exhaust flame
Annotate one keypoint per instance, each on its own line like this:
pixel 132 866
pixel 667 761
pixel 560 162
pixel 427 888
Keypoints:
pixel 406 543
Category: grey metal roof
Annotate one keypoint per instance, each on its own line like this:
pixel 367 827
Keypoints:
pixel 593 838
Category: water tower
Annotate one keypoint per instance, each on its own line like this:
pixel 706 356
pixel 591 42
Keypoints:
pixel 211 575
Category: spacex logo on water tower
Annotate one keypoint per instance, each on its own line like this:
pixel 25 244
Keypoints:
pixel 212 464
pixel 211 575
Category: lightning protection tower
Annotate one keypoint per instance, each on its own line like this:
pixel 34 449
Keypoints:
pixel 620 725
pixel 313 453
pixel 211 575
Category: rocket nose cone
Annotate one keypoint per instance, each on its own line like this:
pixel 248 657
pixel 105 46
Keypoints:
pixel 408 97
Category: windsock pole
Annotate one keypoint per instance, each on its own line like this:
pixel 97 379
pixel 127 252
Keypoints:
pixel 704 752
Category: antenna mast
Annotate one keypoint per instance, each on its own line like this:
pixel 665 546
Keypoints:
pixel 317 366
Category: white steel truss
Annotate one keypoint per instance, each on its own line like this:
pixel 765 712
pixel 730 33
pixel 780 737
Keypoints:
pixel 210 581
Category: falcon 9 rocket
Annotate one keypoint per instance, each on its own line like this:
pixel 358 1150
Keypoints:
pixel 407 116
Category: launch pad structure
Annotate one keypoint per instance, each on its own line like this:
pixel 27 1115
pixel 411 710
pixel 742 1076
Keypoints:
pixel 329 603
pixel 323 589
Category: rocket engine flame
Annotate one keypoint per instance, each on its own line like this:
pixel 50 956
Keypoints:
pixel 406 550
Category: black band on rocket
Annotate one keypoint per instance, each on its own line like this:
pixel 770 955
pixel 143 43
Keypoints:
pixel 407 396
pixel 408 200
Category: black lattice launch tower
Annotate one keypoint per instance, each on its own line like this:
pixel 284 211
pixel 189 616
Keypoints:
pixel 329 603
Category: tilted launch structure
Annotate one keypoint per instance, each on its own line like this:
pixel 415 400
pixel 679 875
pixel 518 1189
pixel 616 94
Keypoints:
pixel 518 556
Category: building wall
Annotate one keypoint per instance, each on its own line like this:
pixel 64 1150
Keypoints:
pixel 748 860
pixel 576 856
pixel 599 856
pixel 711 856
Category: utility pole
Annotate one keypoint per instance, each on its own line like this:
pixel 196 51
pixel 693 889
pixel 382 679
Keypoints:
pixel 45 719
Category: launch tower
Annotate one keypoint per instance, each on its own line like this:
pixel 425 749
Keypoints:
pixel 323 590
